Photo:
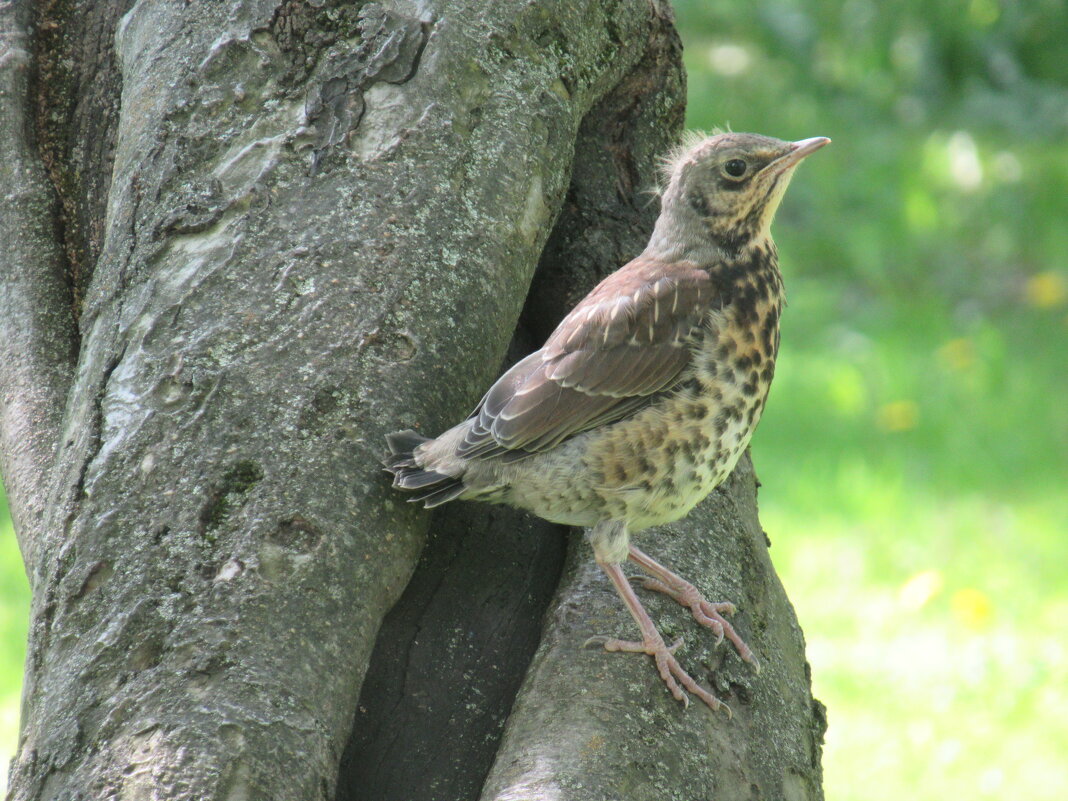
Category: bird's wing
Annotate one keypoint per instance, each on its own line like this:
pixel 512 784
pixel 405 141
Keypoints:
pixel 628 339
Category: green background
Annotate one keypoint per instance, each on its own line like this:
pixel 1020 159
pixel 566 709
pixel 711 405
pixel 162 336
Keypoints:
pixel 914 453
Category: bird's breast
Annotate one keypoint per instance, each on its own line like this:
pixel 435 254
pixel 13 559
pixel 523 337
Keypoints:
pixel 654 467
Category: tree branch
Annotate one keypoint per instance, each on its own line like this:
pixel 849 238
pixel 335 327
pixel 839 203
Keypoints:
pixel 37 332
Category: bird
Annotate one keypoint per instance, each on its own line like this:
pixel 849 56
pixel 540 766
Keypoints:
pixel 645 396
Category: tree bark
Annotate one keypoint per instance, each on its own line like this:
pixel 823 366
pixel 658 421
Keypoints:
pixel 247 240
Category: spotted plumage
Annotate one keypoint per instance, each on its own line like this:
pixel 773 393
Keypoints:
pixel 645 396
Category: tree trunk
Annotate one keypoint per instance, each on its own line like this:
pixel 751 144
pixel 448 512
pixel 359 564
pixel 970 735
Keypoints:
pixel 243 241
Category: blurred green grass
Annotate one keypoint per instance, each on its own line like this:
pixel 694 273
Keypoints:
pixel 14 614
pixel 914 453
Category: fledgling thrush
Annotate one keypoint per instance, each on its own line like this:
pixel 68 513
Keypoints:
pixel 643 399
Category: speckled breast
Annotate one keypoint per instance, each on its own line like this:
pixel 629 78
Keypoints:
pixel 657 465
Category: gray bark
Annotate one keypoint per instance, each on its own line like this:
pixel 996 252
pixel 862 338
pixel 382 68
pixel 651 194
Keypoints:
pixel 242 242
pixel 36 325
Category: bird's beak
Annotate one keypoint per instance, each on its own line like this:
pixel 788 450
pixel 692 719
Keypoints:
pixel 802 148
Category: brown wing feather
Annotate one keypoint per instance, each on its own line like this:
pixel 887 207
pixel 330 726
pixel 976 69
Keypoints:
pixel 627 340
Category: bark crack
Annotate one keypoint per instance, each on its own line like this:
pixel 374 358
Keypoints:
pixel 96 430
pixel 75 87
pixel 44 78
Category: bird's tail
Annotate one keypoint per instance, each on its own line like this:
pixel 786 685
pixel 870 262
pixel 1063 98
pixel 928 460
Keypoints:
pixel 432 488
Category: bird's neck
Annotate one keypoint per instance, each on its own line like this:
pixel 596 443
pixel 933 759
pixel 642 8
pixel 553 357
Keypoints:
pixel 685 237
pixel 743 272
pixel 682 237
pixel 681 233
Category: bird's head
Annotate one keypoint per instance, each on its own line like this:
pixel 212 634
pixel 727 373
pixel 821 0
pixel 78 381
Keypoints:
pixel 728 186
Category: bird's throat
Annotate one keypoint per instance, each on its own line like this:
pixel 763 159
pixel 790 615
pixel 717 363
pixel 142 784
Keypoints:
pixel 749 276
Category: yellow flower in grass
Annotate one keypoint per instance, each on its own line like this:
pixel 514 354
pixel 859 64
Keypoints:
pixel 1046 290
pixel 900 415
pixel 972 607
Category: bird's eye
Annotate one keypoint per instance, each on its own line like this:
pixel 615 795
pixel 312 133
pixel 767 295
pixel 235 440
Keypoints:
pixel 735 168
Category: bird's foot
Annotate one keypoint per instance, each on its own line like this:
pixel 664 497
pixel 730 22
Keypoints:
pixel 707 613
pixel 666 664
pixel 652 643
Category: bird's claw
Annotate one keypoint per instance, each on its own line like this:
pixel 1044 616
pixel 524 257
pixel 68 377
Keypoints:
pixel 707 613
pixel 678 681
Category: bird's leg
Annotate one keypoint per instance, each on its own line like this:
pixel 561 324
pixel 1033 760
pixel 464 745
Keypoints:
pixel 610 540
pixel 705 612
pixel 653 644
